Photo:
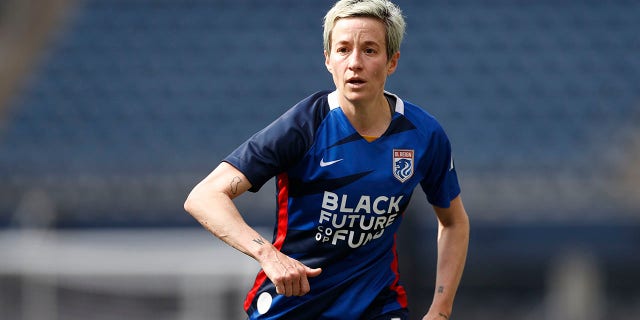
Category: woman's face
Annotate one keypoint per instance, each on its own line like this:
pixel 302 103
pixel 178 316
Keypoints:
pixel 358 59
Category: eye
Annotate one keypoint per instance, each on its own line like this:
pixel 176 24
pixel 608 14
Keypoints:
pixel 342 50
pixel 369 51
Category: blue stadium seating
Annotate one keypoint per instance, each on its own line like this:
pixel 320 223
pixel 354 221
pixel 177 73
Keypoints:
pixel 544 90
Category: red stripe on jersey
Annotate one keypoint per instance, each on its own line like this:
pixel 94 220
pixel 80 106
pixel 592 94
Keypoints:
pixel 260 278
pixel 395 286
pixel 281 233
pixel 283 210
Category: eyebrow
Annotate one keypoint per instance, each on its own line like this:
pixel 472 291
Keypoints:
pixel 372 43
pixel 366 43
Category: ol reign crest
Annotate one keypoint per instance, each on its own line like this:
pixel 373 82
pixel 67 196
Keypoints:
pixel 403 160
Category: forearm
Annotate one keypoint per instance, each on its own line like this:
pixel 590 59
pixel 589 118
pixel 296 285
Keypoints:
pixel 453 242
pixel 218 214
pixel 211 204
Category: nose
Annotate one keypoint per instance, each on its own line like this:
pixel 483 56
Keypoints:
pixel 355 60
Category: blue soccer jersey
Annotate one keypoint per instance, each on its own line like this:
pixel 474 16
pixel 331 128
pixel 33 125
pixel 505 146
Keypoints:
pixel 340 201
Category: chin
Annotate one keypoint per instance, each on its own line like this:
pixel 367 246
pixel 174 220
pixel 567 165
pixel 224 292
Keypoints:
pixel 355 96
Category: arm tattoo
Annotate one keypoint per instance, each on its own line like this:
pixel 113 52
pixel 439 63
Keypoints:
pixel 259 241
pixel 443 315
pixel 440 289
pixel 234 185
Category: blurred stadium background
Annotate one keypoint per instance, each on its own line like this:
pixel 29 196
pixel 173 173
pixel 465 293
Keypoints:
pixel 111 110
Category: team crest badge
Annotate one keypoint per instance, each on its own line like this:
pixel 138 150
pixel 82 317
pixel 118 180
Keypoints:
pixel 403 160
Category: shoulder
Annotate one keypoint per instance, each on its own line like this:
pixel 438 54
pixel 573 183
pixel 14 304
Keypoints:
pixel 423 121
pixel 310 109
pixel 282 143
pixel 299 123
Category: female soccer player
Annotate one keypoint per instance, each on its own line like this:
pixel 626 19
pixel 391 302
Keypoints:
pixel 346 163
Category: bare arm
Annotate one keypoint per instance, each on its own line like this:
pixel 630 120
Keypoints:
pixel 453 241
pixel 211 204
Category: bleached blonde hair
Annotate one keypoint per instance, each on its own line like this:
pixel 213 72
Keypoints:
pixel 383 10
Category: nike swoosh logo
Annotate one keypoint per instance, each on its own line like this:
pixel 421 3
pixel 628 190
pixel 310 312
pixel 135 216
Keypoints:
pixel 328 163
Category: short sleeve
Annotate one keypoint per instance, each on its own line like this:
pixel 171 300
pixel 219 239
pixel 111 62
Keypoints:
pixel 281 144
pixel 441 180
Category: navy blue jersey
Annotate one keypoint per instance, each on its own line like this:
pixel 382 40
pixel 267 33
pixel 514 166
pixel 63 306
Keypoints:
pixel 340 200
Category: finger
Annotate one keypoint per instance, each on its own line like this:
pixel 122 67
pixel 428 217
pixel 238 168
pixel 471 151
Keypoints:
pixel 304 285
pixel 312 273
pixel 295 280
pixel 296 289
pixel 288 286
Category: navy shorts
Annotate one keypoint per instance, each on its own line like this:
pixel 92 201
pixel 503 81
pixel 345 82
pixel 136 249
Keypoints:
pixel 402 314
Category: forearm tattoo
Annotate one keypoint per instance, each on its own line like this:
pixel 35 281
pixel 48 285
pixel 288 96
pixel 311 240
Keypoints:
pixel 440 291
pixel 259 241
pixel 233 186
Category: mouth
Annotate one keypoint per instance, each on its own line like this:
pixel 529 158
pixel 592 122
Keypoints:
pixel 355 81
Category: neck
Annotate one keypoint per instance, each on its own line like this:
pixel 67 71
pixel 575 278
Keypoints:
pixel 370 118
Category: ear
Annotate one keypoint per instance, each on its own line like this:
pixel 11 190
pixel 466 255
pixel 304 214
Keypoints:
pixel 326 61
pixel 393 63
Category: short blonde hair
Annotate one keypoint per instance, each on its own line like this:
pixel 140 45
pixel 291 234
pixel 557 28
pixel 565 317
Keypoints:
pixel 385 11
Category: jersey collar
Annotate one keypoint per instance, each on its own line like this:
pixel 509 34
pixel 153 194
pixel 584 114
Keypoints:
pixel 333 101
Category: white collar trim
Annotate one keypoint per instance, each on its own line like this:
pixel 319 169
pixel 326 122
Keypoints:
pixel 333 101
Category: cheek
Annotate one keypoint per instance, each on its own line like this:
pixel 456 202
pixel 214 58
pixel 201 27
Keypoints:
pixel 336 69
pixel 382 71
